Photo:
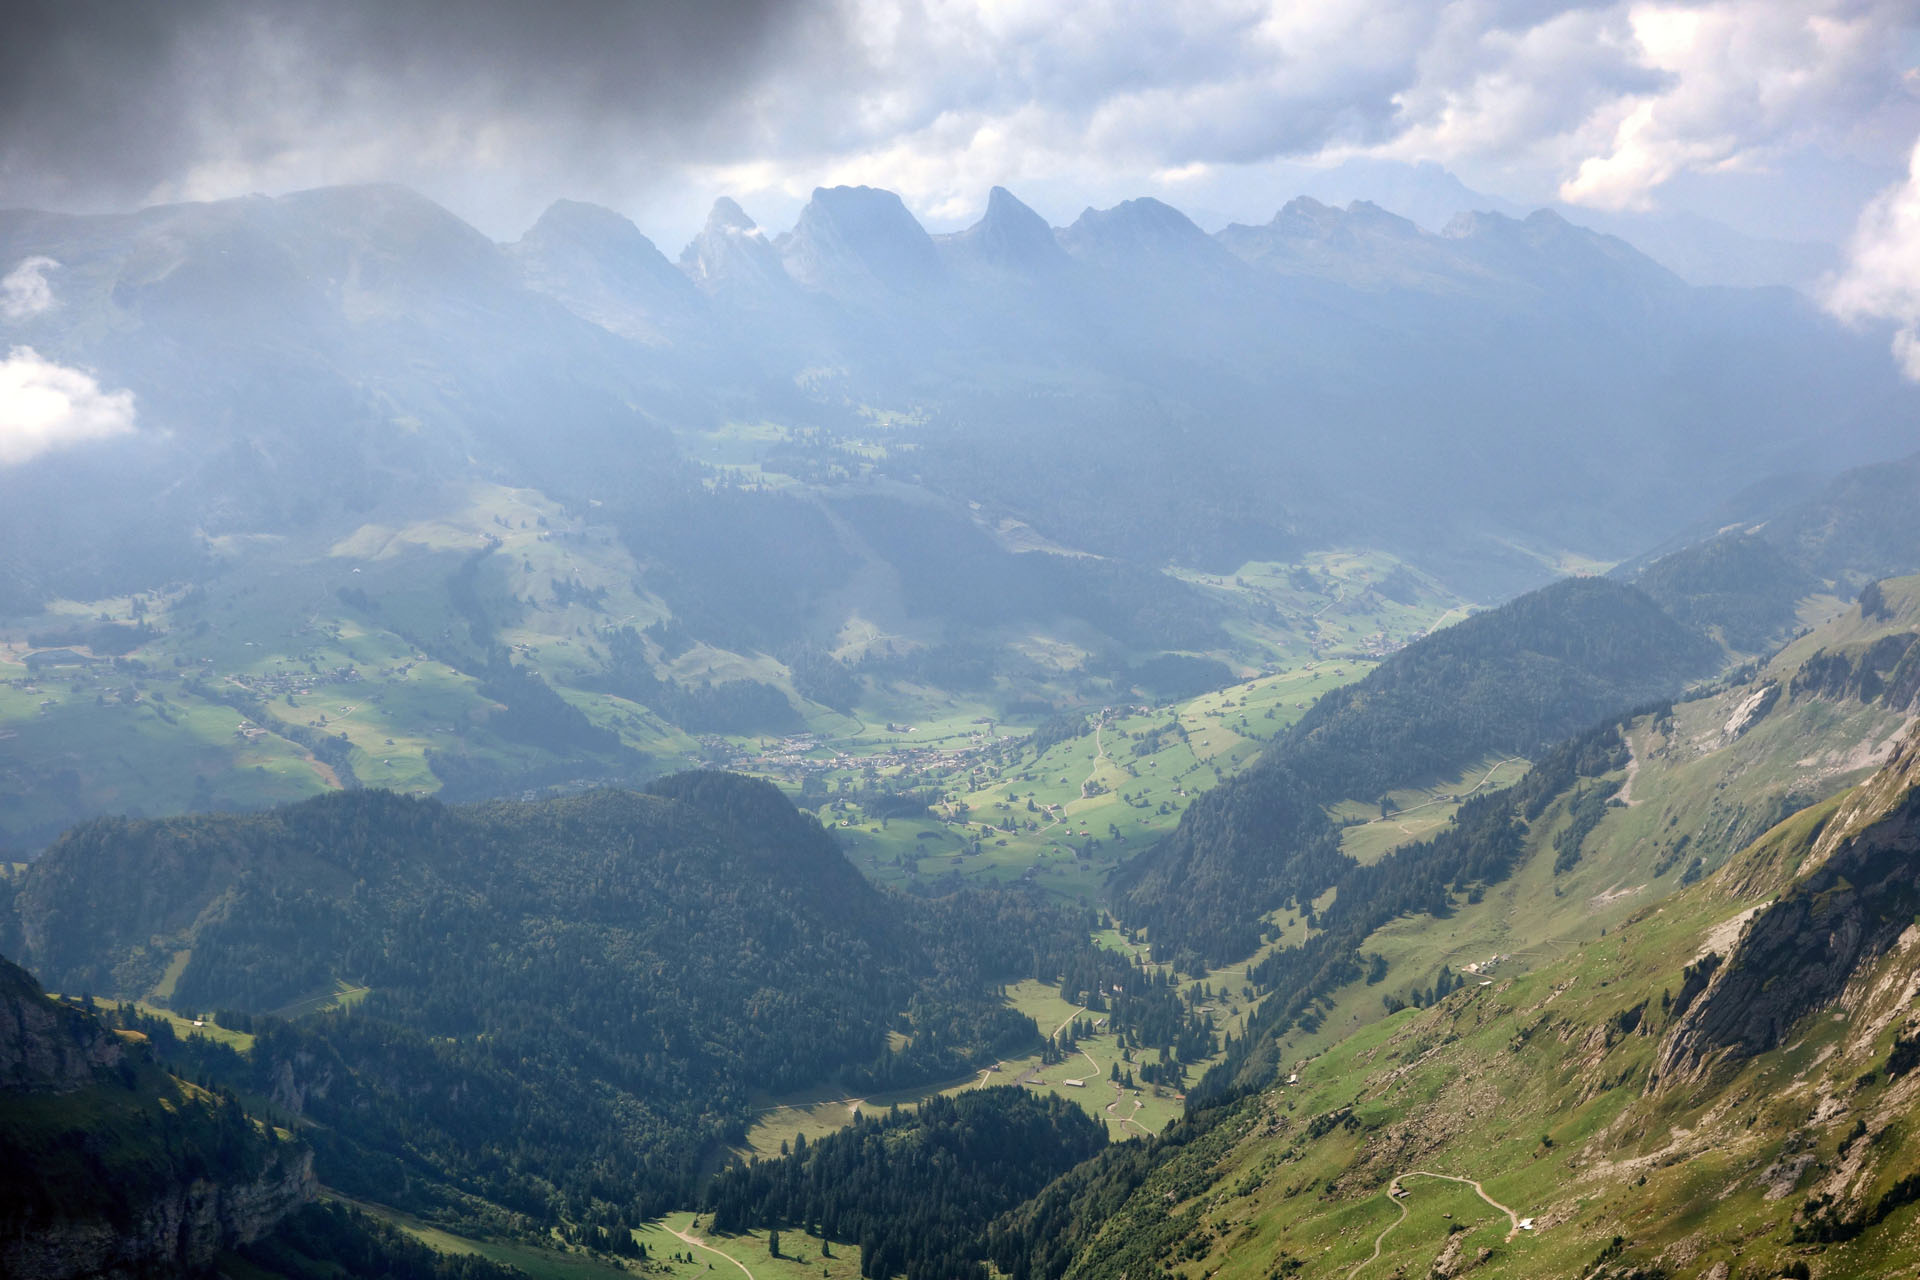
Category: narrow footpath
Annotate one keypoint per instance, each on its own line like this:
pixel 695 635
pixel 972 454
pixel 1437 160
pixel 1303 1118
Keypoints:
pixel 1379 1242
pixel 698 1243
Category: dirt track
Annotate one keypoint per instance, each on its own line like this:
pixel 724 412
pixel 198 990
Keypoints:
pixel 1513 1219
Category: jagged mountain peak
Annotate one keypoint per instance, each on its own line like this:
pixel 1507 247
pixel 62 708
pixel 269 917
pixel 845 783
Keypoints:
pixel 731 253
pixel 851 239
pixel 1549 239
pixel 1008 214
pixel 393 220
pixel 1550 252
pixel 1141 217
pixel 1303 216
pixel 727 214
pixel 1141 230
pixel 1367 213
pixel 599 265
pixel 580 219
pixel 1002 201
pixel 392 200
pixel 1009 236
pixel 1305 212
pixel 607 236
pixel 1361 245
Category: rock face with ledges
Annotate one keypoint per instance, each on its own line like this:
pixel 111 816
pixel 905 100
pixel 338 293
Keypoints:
pixel 110 1167
pixel 179 1233
pixel 45 1047
pixel 1861 891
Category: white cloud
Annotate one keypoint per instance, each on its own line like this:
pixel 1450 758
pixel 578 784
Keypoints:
pixel 24 291
pixel 1741 81
pixel 1602 102
pixel 46 406
pixel 1615 103
pixel 1882 277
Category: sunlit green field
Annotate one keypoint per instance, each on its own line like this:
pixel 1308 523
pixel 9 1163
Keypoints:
pixel 364 640
pixel 1418 812
pixel 1066 818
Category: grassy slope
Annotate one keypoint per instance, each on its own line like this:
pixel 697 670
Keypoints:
pixel 1105 786
pixel 1469 1088
pixel 1695 793
pixel 1420 810
pixel 143 742
pixel 1689 778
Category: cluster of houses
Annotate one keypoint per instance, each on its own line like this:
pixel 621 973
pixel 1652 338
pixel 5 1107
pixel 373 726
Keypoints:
pixel 275 683
pixel 802 754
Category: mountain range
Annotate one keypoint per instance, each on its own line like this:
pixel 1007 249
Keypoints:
pixel 354 348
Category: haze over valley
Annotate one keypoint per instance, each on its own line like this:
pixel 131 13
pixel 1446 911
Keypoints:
pixel 1087 697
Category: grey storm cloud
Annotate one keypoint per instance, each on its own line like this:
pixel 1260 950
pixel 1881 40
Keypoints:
pixel 108 103
pixel 496 107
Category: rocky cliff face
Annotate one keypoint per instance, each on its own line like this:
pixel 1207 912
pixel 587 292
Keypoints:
pixel 46 1047
pixel 111 1167
pixel 182 1231
pixel 1860 891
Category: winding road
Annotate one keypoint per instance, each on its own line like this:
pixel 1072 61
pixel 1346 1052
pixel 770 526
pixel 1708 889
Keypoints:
pixel 698 1243
pixel 1379 1241
pixel 1428 804
pixel 1120 1119
pixel 1099 754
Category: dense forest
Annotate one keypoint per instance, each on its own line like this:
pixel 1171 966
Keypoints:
pixel 333 1239
pixel 914 1190
pixel 97 1135
pixel 1510 681
pixel 567 1003
pixel 1738 585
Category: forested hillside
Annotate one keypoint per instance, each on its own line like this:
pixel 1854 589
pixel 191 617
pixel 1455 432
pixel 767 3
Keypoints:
pixel 566 999
pixel 1745 574
pixel 1508 681
pixel 915 1190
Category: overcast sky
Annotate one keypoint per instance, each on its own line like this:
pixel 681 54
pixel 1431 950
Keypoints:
pixel 1785 118
pixel 1782 117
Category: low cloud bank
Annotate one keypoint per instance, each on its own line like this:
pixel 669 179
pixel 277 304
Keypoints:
pixel 1882 277
pixel 24 291
pixel 46 406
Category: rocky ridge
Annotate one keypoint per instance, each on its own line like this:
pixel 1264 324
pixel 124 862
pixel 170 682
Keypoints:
pixel 111 1167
